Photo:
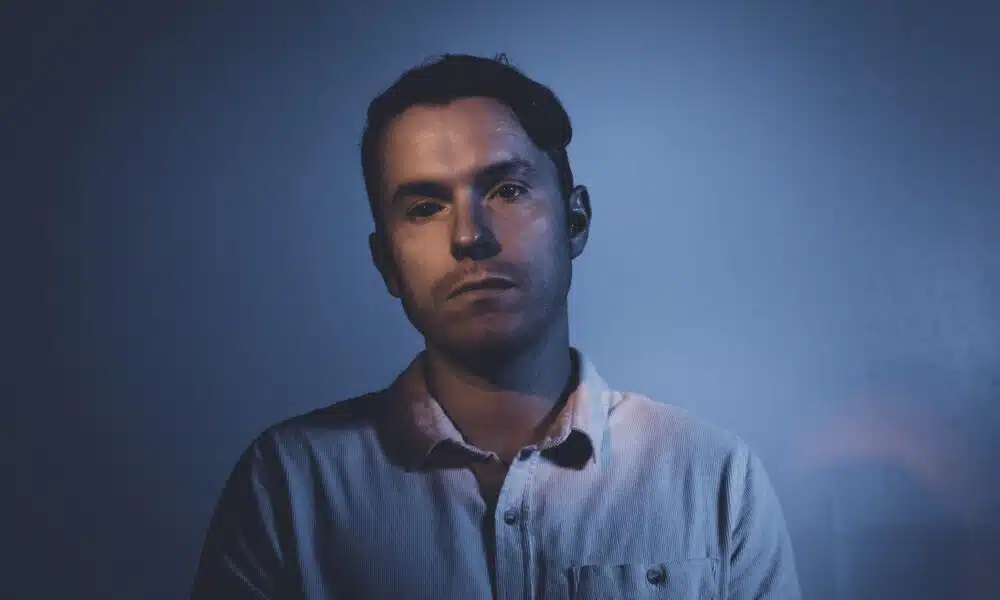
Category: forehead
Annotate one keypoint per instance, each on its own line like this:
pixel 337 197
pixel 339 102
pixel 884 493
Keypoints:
pixel 451 142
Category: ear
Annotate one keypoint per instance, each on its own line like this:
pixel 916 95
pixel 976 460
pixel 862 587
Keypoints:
pixel 578 219
pixel 385 263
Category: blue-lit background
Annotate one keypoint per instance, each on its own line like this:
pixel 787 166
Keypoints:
pixel 796 216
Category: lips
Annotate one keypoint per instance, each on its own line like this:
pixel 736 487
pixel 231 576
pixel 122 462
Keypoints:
pixel 484 283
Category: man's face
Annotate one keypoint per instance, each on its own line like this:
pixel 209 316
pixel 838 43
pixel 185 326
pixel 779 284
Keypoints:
pixel 466 195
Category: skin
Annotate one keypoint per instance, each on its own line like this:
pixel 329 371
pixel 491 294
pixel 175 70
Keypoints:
pixel 498 362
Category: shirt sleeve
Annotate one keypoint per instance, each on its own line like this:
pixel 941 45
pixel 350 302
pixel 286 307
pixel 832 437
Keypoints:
pixel 241 558
pixel 761 561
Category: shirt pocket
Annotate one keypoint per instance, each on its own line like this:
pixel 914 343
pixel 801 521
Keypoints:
pixel 693 579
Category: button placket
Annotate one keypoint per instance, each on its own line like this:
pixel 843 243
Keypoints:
pixel 517 474
pixel 513 572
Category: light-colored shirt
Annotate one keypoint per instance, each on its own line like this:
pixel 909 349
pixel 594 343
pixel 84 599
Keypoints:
pixel 380 496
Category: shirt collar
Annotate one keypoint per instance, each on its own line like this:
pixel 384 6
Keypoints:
pixel 418 423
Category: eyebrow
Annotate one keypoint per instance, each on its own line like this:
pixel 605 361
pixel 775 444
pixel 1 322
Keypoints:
pixel 483 177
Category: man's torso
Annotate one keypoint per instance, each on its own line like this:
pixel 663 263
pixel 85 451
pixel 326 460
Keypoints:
pixel 641 521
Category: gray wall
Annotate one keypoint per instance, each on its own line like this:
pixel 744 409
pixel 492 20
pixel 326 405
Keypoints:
pixel 794 237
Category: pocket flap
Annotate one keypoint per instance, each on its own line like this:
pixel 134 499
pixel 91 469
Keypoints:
pixel 692 579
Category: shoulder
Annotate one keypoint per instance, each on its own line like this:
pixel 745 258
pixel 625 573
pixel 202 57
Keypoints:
pixel 670 442
pixel 674 434
pixel 720 483
pixel 338 429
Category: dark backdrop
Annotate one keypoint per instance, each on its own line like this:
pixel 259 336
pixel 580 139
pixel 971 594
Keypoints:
pixel 795 236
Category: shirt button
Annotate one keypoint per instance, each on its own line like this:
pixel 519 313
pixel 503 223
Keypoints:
pixel 656 575
pixel 525 454
pixel 510 516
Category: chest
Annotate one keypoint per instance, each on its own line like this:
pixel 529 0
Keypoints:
pixel 534 530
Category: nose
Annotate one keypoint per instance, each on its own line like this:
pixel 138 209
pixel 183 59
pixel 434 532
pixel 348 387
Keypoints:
pixel 472 235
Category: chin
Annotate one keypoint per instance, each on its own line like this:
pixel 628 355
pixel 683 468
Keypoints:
pixel 487 336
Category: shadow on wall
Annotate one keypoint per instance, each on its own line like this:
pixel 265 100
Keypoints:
pixel 888 501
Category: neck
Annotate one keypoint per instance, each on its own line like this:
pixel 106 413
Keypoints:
pixel 502 402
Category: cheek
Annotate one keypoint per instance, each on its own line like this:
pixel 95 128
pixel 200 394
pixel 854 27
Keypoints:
pixel 420 266
pixel 539 246
pixel 532 233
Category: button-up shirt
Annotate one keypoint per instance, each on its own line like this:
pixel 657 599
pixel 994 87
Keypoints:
pixel 381 496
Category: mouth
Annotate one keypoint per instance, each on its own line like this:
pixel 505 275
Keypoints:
pixel 490 283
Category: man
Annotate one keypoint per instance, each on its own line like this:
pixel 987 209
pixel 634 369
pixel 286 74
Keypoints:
pixel 499 464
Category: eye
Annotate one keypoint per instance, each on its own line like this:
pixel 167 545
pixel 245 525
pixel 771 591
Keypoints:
pixel 510 191
pixel 422 210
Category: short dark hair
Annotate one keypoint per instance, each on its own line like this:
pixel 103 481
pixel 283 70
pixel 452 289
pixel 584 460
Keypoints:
pixel 449 77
